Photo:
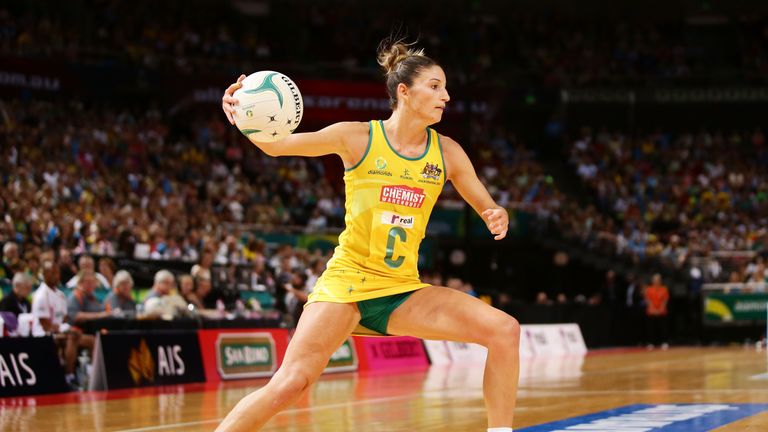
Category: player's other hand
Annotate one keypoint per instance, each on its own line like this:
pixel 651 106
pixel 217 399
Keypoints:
pixel 228 101
pixel 497 221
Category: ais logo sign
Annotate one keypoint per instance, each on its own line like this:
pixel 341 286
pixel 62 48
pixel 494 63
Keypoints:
pixel 151 358
pixel 15 370
pixel 29 366
pixel 245 355
pixel 141 364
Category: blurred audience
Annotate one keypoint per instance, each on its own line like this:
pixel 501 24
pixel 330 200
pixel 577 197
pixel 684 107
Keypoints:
pixel 16 302
pixel 82 305
pixel 121 297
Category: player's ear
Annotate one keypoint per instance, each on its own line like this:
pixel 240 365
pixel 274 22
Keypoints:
pixel 402 91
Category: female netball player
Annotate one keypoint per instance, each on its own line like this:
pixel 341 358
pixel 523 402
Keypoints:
pixel 394 172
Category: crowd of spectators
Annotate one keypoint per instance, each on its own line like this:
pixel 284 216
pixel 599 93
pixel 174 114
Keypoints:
pixel 115 183
pixel 483 41
pixel 110 182
pixel 672 196
pixel 80 180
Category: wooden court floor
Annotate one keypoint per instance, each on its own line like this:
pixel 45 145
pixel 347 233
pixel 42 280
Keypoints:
pixel 432 399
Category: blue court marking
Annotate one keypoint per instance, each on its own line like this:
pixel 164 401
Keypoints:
pixel 655 418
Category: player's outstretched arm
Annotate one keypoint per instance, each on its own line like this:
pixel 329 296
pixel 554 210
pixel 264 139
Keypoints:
pixel 463 176
pixel 329 140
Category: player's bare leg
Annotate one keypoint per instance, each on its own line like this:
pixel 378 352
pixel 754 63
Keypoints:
pixel 445 314
pixel 322 328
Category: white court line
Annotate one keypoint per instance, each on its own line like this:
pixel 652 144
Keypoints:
pixel 763 376
pixel 290 411
pixel 542 393
pixel 170 426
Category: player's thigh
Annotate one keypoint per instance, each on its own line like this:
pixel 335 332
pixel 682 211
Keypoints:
pixel 446 314
pixel 321 330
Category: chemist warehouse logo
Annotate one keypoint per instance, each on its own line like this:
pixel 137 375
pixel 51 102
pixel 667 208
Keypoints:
pixel 245 355
pixel 402 195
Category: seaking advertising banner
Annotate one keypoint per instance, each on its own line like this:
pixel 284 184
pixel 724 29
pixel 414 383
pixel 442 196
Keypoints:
pixel 30 366
pixel 139 359
pixel 242 353
pixel 726 308
pixel 344 359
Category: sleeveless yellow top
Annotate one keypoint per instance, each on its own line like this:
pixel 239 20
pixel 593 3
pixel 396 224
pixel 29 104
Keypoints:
pixel 389 198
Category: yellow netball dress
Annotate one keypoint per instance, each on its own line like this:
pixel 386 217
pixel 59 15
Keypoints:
pixel 389 198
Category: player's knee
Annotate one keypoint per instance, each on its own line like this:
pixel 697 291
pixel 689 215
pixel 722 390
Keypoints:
pixel 291 384
pixel 506 332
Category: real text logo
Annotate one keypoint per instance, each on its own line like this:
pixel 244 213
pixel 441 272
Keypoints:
pixel 389 218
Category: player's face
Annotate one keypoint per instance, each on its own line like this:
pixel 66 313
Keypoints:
pixel 428 95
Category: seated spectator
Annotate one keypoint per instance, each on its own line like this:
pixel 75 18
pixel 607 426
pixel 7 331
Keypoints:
pixel 314 271
pixel 121 297
pixel 283 252
pixel 67 266
pixel 204 267
pixel 86 264
pixel 32 259
pixel 49 306
pixel 188 293
pixel 204 299
pixel 16 301
pixel 207 295
pixel 82 305
pixel 161 302
pixel 296 295
pixel 454 283
pixel 108 268
pixel 11 262
pixel 261 279
pixel 162 286
pixel 469 289
pixel 284 276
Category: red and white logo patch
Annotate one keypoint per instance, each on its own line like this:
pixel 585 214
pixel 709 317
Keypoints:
pixel 403 195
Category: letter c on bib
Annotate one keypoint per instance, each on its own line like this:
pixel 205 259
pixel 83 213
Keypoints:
pixel 388 258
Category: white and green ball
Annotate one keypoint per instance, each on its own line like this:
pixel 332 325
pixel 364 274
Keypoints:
pixel 270 106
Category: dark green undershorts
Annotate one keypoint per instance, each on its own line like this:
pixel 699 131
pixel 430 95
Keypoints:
pixel 374 313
